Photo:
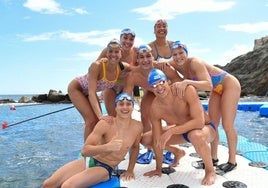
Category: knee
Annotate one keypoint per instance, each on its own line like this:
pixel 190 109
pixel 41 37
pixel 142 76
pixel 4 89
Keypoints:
pixel 196 137
pixel 68 184
pixel 70 87
pixel 91 122
pixel 228 128
pixel 146 140
pixel 47 183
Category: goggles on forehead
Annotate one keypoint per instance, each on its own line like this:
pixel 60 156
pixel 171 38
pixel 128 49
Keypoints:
pixel 114 43
pixel 127 31
pixel 144 48
pixel 162 82
pixel 124 96
pixel 178 44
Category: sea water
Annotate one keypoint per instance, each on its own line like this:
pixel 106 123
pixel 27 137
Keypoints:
pixel 31 151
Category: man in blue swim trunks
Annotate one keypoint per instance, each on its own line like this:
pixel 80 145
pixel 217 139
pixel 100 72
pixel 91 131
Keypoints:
pixel 104 149
pixel 186 120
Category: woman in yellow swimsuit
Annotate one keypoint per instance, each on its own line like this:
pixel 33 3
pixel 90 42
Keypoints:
pixel 225 94
pixel 101 74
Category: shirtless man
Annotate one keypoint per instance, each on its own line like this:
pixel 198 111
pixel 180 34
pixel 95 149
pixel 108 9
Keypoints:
pixel 162 52
pixel 186 121
pixel 138 77
pixel 104 149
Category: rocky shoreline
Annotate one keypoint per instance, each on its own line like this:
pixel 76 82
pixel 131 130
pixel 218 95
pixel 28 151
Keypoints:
pixel 58 97
pixel 53 96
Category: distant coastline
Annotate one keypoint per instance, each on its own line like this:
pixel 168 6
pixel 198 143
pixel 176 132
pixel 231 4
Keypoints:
pixel 16 97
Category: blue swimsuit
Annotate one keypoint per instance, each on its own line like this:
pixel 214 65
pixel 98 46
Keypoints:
pixel 185 135
pixel 91 162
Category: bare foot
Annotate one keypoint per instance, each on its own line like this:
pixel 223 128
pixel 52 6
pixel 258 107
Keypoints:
pixel 177 156
pixel 209 178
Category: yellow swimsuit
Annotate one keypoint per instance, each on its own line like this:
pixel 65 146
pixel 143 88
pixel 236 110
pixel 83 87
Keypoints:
pixel 102 84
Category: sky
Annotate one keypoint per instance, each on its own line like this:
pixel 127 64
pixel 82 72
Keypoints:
pixel 44 44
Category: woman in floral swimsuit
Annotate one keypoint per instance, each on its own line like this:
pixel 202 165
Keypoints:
pixel 102 74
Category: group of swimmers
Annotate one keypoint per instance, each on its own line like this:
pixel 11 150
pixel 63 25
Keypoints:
pixel 169 79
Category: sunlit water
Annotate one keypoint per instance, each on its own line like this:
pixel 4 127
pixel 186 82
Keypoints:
pixel 32 151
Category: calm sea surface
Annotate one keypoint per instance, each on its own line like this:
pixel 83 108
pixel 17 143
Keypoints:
pixel 33 150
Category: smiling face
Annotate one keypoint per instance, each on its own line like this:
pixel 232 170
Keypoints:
pixel 160 28
pixel 124 105
pixel 127 41
pixel 179 56
pixel 114 53
pixel 145 57
pixel 160 88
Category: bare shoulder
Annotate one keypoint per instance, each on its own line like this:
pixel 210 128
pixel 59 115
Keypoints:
pixel 126 66
pixel 102 128
pixel 102 124
pixel 137 125
pixel 170 42
pixel 195 61
pixel 103 53
pixel 151 44
pixel 191 93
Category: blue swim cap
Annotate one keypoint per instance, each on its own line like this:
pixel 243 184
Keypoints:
pixel 127 31
pixel 123 96
pixel 143 48
pixel 178 44
pixel 156 75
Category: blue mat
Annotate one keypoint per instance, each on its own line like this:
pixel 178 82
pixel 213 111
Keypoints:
pixel 113 182
pixel 257 156
pixel 254 152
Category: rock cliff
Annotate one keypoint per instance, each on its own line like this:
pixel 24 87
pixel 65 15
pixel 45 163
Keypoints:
pixel 251 69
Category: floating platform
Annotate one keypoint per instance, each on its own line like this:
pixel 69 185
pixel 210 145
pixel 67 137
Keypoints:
pixel 262 107
pixel 251 170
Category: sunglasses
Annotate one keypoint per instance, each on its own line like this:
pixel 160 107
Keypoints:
pixel 162 82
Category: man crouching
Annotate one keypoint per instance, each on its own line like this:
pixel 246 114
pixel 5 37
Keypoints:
pixel 185 117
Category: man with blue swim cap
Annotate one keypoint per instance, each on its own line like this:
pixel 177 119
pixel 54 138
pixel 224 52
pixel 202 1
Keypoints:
pixel 185 122
pixel 123 96
pixel 104 149
pixel 156 75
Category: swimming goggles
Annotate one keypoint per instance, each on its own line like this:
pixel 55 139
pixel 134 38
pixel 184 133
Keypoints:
pixel 114 43
pixel 162 82
pixel 124 96
pixel 178 44
pixel 127 31
pixel 144 48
